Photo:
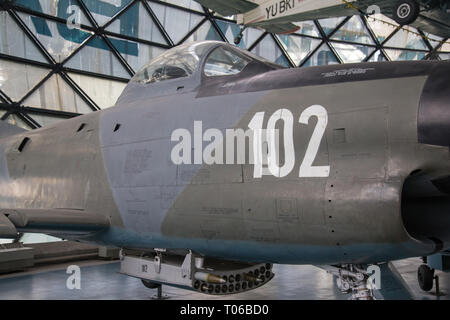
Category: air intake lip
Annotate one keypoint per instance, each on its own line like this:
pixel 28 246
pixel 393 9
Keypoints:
pixel 425 209
pixel 433 123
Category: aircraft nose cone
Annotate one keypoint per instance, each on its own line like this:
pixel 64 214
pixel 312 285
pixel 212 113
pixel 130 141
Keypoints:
pixel 434 108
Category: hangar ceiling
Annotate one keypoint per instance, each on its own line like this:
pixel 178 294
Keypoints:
pixel 62 58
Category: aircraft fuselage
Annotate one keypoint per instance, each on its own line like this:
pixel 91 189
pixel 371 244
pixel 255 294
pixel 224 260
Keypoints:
pixel 117 162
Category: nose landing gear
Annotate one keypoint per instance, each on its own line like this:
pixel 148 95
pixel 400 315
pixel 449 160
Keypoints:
pixel 425 277
pixel 426 273
pixel 352 279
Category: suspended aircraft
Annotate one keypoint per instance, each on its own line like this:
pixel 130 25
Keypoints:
pixel 279 16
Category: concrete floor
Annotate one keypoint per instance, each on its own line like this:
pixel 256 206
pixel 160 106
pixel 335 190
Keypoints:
pixel 101 280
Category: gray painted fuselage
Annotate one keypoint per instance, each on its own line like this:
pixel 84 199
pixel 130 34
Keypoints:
pixel 371 144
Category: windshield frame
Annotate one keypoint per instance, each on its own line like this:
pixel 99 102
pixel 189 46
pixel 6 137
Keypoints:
pixel 204 50
pixel 227 49
pixel 197 82
pixel 256 65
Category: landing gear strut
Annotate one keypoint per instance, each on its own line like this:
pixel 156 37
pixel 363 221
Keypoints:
pixel 425 276
pixel 353 279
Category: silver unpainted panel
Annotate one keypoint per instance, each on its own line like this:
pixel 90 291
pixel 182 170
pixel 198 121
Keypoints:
pixel 60 167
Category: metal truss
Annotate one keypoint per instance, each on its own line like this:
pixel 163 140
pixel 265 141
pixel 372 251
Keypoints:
pixel 25 113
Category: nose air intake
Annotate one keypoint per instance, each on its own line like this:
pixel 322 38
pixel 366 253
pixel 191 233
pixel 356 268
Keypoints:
pixel 433 122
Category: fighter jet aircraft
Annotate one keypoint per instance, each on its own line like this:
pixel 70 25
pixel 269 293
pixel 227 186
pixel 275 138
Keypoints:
pixel 214 164
pixel 278 16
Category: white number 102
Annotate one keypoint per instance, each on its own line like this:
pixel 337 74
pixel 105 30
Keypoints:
pixel 306 167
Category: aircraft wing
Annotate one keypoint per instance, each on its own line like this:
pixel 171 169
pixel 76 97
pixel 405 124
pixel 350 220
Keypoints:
pixel 51 221
pixel 435 22
pixel 228 7
pixel 281 28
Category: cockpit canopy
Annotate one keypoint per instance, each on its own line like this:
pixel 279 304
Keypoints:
pixel 187 67
pixel 182 61
pixel 178 62
pixel 222 62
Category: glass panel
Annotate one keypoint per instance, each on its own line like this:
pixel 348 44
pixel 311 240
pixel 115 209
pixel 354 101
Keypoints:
pixel 376 57
pixel 298 47
pixel 45 120
pixel 352 53
pixel 103 92
pixel 185 21
pixel 16 43
pixel 98 58
pixel 407 37
pixel 353 30
pixel 190 4
pixel 104 10
pixel 215 14
pixel 223 62
pixel 178 62
pixel 37 238
pixel 56 94
pixel 396 55
pixel 268 49
pixel 231 30
pixel 57 38
pixel 444 56
pixel 323 56
pixel 307 28
pixel 381 25
pixel 329 24
pixel 445 47
pixel 16 121
pixel 15 86
pixel 137 23
pixel 137 54
pixel 65 9
pixel 205 32
pixel 433 39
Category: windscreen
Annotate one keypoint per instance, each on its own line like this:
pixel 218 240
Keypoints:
pixel 178 62
pixel 222 62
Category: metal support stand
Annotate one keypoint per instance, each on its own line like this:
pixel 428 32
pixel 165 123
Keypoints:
pixel 159 295
pixel 436 281
pixel 438 291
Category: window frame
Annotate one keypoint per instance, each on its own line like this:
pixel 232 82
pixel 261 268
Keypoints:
pixel 225 48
